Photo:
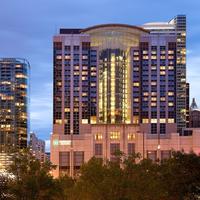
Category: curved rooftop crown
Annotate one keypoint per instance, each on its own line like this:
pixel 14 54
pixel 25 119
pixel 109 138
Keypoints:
pixel 114 26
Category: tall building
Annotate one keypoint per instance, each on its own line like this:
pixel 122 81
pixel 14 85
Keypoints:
pixel 14 122
pixel 194 115
pixel 118 86
pixel 176 26
pixel 37 147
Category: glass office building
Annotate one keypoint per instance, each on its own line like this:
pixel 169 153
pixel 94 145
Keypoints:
pixel 14 117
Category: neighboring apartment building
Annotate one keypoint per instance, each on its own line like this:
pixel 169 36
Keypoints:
pixel 119 86
pixel 37 147
pixel 14 121
pixel 194 115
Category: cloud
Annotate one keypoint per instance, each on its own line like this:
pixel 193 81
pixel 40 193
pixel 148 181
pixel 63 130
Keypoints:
pixel 47 145
pixel 41 110
pixel 193 74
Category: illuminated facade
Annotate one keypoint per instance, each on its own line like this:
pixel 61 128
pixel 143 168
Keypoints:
pixel 37 147
pixel 13 106
pixel 116 81
pixel 177 26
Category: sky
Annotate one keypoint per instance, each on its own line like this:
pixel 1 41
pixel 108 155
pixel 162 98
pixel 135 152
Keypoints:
pixel 27 28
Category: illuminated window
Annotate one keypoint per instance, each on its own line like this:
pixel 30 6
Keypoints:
pixel 145 94
pixel 76 67
pixel 93 120
pixel 18 66
pixel 98 136
pixel 145 57
pixel 153 83
pixel 170 52
pixel 153 67
pixel 145 121
pixel 145 98
pixel 136 58
pixel 136 99
pixel 153 104
pixel 76 73
pixel 171 67
pixel 93 74
pixel 84 94
pixel 162 67
pixel 84 78
pixel 154 120
pixel 59 83
pixel 59 57
pixel 131 136
pixel 85 67
pixel 171 104
pixel 162 57
pixel 162 98
pixel 153 57
pixel 67 57
pixel 85 57
pixel 162 72
pixel 84 73
pixel 93 84
pixel 145 52
pixel 162 120
pixel 153 99
pixel 170 93
pixel 136 84
pixel 58 121
pixel 84 121
pixel 115 135
pixel 20 76
pixel 170 120
pixel 162 52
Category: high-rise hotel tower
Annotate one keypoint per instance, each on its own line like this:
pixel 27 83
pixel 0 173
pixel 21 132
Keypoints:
pixel 13 107
pixel 116 85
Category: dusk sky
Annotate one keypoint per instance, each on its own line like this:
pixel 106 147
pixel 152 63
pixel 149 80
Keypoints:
pixel 27 28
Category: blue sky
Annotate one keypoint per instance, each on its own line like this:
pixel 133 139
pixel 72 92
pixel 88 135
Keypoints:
pixel 27 28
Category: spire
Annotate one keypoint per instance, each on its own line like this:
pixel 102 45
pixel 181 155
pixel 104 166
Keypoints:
pixel 193 105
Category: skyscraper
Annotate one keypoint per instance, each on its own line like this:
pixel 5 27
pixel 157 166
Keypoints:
pixel 14 122
pixel 176 26
pixel 118 86
pixel 37 147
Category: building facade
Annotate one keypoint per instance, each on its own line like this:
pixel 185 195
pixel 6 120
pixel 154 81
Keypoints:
pixel 194 115
pixel 14 122
pixel 37 147
pixel 118 86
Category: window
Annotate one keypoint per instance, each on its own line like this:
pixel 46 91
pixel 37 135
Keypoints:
pixel 152 155
pixel 131 136
pixel 114 147
pixel 98 136
pixel 165 155
pixel 162 128
pixel 64 159
pixel 153 128
pixel 131 148
pixel 78 158
pixel 115 135
pixel 98 150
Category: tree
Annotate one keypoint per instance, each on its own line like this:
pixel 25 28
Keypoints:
pixel 64 188
pixel 181 176
pixel 32 179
